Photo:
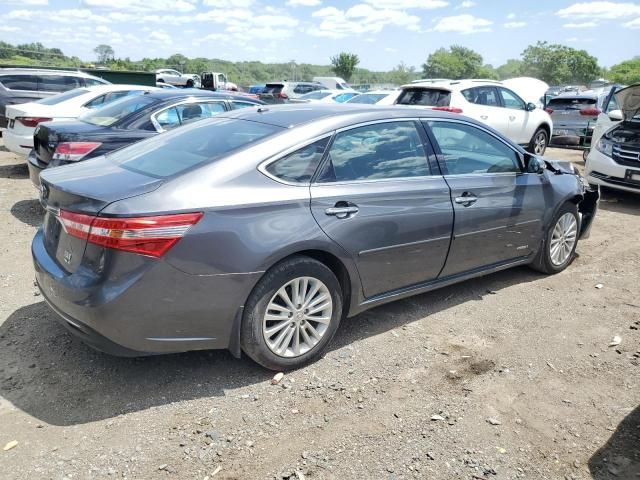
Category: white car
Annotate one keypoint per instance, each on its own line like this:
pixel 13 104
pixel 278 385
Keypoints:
pixel 489 102
pixel 326 96
pixel 174 77
pixel 614 159
pixel 25 117
pixel 376 97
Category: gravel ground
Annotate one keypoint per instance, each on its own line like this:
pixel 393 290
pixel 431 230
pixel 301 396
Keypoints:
pixel 507 376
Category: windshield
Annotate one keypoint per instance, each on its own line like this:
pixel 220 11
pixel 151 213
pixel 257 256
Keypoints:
pixel 368 98
pixel 187 147
pixel 117 110
pixel 315 95
pixel 427 97
pixel 62 97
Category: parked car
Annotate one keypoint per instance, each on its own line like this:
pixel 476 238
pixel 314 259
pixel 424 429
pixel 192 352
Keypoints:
pixel 261 229
pixel 486 101
pixel 256 89
pixel 605 120
pixel 376 97
pixel 24 118
pixel 282 92
pixel 122 123
pixel 574 116
pixel 333 83
pixel 614 161
pixel 22 85
pixel 327 96
pixel 174 77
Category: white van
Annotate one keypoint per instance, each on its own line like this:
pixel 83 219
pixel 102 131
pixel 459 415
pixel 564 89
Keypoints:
pixel 333 83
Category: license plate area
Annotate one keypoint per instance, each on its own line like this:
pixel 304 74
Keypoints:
pixel 632 176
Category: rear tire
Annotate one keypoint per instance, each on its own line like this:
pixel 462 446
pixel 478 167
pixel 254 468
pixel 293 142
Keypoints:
pixel 560 241
pixel 292 314
pixel 539 141
pixel 190 84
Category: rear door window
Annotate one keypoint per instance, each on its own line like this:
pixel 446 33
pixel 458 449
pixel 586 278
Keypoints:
pixel 58 83
pixel 62 97
pixel 20 82
pixel 240 104
pixel 571 103
pixel 273 88
pixel 299 166
pixel 197 111
pixel 374 152
pixel 482 96
pixel 427 97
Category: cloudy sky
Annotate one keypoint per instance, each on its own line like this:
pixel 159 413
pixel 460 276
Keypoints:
pixel 381 32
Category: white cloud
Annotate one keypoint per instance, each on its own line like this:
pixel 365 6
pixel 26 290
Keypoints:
pixel 635 23
pixel 303 3
pixel 391 50
pixel 143 5
pixel 70 15
pixel 4 28
pixel 580 25
pixel 228 3
pixel 605 10
pixel 511 16
pixel 28 2
pixel 406 4
pixel 467 4
pixel 464 24
pixel 515 24
pixel 360 19
pixel 160 36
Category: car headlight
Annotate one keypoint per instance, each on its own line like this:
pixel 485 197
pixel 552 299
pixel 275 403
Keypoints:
pixel 605 147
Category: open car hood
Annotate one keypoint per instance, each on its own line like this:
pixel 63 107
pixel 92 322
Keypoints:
pixel 629 100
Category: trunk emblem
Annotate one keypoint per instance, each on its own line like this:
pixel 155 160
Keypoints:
pixel 67 256
pixel 44 192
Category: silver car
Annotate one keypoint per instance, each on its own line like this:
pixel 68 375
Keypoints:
pixel 261 229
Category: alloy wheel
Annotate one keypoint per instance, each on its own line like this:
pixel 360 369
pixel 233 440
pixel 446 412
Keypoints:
pixel 563 239
pixel 540 143
pixel 297 317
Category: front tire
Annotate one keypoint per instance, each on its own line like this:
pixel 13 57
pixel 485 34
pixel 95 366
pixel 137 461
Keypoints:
pixel 561 239
pixel 539 142
pixel 292 314
pixel 190 83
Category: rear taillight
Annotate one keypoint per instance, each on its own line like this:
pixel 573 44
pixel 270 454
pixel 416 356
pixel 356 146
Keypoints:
pixel 448 109
pixel 152 236
pixel 549 110
pixel 590 112
pixel 282 95
pixel 74 151
pixel 32 121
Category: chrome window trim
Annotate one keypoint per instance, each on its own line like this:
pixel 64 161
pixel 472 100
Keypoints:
pixel 157 125
pixel 480 127
pixel 262 166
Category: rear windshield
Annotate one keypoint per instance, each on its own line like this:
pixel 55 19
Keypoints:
pixel 570 103
pixel 427 97
pixel 368 98
pixel 62 97
pixel 184 148
pixel 117 110
pixel 273 88
pixel 315 95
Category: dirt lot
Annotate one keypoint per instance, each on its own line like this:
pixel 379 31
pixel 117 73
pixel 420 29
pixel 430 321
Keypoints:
pixel 509 376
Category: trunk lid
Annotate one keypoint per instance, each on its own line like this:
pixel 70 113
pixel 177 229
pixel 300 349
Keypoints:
pixel 87 188
pixel 629 101
pixel 48 135
pixel 31 109
pixel 566 111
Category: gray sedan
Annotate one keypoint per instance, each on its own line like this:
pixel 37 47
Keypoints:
pixel 261 229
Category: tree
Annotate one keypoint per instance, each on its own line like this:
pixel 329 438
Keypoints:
pixel 104 52
pixel 511 69
pixel 402 74
pixel 455 63
pixel 627 72
pixel 557 64
pixel 344 64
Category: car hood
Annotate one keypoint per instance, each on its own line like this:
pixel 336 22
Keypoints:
pixel 629 100
pixel 560 166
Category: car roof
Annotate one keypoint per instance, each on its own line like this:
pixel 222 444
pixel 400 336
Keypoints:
pixel 117 87
pixel 46 71
pixel 452 84
pixel 378 92
pixel 294 115
pixel 169 94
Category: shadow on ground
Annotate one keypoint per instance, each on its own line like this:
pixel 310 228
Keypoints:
pixel 619 458
pixel 18 170
pixel 619 201
pixel 29 212
pixel 55 378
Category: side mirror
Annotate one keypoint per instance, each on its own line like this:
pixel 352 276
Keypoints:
pixel 530 107
pixel 534 164
pixel 616 115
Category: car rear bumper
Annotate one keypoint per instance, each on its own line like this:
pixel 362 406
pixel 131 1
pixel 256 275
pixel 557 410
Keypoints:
pixel 19 144
pixel 602 170
pixel 157 310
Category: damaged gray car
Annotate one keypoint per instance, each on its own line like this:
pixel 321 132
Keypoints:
pixel 260 230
